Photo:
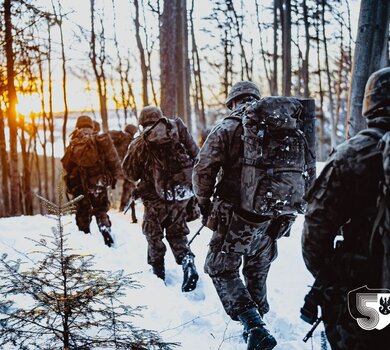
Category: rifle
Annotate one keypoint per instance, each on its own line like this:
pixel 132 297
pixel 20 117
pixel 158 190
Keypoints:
pixel 128 205
pixel 312 329
pixel 313 299
pixel 196 234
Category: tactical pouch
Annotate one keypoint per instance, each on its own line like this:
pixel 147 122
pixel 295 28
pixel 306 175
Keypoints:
pixel 219 215
pixel 243 236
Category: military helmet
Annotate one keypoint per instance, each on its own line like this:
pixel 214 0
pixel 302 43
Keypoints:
pixel 131 129
pixel 242 89
pixel 377 92
pixel 149 114
pixel 84 121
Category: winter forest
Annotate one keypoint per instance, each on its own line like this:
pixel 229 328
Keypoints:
pixel 107 59
pixel 110 58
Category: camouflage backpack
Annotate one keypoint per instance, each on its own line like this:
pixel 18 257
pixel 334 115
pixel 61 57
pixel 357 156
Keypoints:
pixel 170 162
pixel 276 157
pixel 82 150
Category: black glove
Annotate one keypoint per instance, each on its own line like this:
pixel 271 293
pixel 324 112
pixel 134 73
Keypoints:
pixel 204 211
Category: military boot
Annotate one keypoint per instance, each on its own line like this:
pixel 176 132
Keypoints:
pixel 158 269
pixel 106 232
pixel 256 335
pixel 190 276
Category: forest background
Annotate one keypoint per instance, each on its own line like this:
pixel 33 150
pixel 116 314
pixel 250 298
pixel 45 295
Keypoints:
pixel 109 58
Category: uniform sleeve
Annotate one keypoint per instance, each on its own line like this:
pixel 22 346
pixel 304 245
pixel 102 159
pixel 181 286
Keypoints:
pixel 132 162
pixel 186 139
pixel 208 163
pixel 328 210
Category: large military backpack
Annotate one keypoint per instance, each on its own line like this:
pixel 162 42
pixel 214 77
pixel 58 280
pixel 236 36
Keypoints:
pixel 82 150
pixel 277 163
pixel 169 160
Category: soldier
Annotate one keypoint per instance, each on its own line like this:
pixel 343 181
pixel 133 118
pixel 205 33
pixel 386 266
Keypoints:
pixel 222 150
pixel 164 152
pixel 122 140
pixel 91 164
pixel 343 202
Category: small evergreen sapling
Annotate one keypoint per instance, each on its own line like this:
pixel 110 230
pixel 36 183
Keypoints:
pixel 59 301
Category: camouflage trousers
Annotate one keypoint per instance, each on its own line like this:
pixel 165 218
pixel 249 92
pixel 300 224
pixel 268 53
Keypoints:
pixel 96 204
pixel 237 243
pixel 169 220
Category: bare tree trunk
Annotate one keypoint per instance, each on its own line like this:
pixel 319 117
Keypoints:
pixel 262 47
pixel 154 94
pixel 44 141
pixel 27 193
pixel 306 90
pixel 4 169
pixel 12 124
pixel 122 78
pixel 51 117
pixel 228 69
pixel 174 60
pixel 37 165
pixel 370 55
pixel 339 75
pixel 149 50
pixel 144 67
pixel 198 98
pixel 182 62
pixel 333 134
pixel 320 113
pixel 274 89
pixel 287 48
pixel 168 38
pixel 187 69
pixel 130 98
pixel 64 82
pixel 98 68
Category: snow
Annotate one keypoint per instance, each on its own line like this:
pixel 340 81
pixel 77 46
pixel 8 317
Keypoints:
pixel 196 319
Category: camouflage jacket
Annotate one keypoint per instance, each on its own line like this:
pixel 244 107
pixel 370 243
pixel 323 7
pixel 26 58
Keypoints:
pixel 221 151
pixel 343 201
pixel 134 163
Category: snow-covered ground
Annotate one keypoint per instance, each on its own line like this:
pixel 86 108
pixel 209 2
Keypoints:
pixel 196 319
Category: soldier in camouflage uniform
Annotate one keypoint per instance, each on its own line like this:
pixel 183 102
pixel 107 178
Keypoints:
pixel 161 216
pixel 343 201
pixel 92 182
pixel 222 150
pixel 122 140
